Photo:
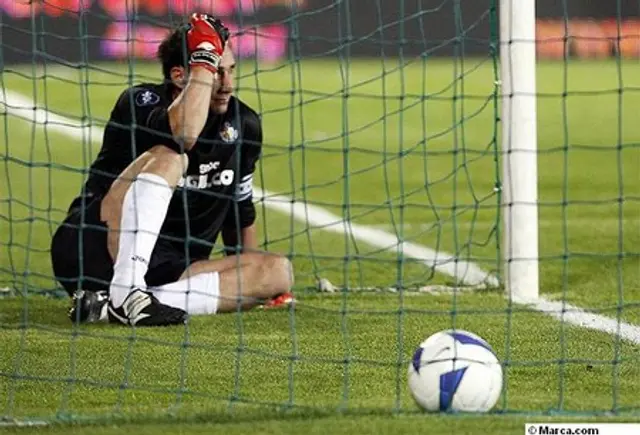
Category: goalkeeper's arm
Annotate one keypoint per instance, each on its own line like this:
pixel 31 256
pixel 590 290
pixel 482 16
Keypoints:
pixel 187 114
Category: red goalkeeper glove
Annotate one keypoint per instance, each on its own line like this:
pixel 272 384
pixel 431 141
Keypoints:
pixel 206 39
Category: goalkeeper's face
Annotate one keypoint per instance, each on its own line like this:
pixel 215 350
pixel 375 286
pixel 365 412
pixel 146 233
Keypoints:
pixel 223 83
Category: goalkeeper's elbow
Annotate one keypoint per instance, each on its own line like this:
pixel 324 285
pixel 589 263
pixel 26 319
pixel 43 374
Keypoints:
pixel 184 131
pixel 187 142
pixel 183 135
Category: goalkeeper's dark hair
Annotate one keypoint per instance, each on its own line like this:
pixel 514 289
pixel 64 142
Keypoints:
pixel 172 51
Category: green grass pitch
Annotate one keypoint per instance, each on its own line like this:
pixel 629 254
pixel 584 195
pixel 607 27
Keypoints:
pixel 421 167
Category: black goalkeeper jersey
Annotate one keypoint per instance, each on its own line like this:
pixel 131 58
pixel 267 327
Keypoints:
pixel 216 190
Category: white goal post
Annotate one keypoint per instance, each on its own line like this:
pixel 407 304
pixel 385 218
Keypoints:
pixel 518 148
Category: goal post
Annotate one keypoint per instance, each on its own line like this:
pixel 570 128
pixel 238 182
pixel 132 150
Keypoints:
pixel 519 148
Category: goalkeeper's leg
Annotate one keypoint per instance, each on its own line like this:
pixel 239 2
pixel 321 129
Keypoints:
pixel 134 210
pixel 207 286
pixel 228 284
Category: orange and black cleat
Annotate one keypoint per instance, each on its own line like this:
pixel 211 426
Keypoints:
pixel 281 300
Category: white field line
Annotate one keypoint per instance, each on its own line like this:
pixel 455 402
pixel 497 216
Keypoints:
pixel 542 223
pixel 464 272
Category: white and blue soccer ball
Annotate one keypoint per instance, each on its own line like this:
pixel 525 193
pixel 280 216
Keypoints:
pixel 457 371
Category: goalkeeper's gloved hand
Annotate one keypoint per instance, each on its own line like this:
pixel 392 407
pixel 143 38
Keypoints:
pixel 206 39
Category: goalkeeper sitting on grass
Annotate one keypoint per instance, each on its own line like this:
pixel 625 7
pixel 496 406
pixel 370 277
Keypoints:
pixel 175 171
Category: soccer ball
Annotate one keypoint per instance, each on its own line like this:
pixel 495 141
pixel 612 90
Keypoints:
pixel 455 370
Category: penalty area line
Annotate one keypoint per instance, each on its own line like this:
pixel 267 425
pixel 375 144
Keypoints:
pixel 464 272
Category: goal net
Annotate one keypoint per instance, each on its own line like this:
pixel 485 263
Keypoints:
pixel 426 165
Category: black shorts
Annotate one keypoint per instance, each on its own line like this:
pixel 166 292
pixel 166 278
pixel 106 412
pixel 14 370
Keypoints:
pixel 81 260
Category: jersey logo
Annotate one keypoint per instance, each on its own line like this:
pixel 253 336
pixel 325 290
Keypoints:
pixel 228 134
pixel 211 175
pixel 147 98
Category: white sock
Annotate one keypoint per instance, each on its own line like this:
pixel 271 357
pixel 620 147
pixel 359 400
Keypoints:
pixel 144 209
pixel 196 295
